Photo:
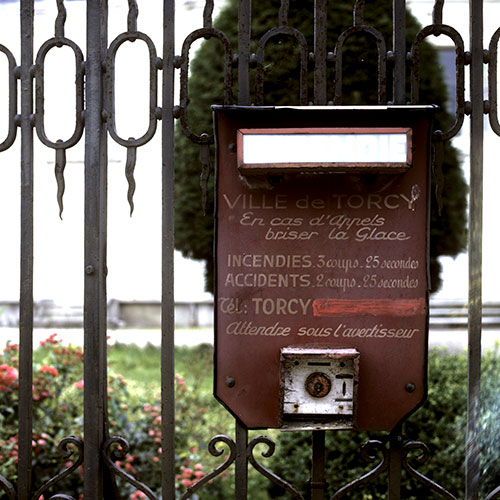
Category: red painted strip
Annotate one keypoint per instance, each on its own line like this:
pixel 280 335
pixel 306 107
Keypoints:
pixel 373 307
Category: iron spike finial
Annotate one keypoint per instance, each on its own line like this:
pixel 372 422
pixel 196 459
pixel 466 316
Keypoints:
pixel 60 19
pixel 59 173
pixel 207 13
pixel 133 12
pixel 283 13
pixel 437 12
pixel 359 13
pixel 129 174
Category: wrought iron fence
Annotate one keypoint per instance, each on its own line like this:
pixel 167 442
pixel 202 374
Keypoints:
pixel 95 116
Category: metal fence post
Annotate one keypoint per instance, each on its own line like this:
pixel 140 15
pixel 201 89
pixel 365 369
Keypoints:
pixel 26 288
pixel 95 370
pixel 472 473
pixel 241 463
pixel 318 484
pixel 167 318
pixel 320 51
pixel 399 51
pixel 395 456
pixel 244 34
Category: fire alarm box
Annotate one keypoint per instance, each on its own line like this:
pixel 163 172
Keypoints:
pixel 319 388
pixel 322 229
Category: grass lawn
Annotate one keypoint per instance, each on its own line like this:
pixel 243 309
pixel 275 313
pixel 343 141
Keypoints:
pixel 141 367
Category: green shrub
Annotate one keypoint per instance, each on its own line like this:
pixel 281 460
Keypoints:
pixel 56 408
pixel 440 423
pixel 58 413
pixel 134 413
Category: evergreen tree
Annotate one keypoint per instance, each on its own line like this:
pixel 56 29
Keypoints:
pixel 194 229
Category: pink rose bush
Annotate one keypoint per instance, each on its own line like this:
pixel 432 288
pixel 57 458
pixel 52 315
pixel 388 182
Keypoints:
pixel 58 412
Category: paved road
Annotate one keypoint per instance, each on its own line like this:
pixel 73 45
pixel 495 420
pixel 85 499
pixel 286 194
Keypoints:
pixel 451 338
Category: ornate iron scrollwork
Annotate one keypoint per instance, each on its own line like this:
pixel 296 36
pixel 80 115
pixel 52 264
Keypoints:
pixel 132 35
pixel 439 137
pixel 283 30
pixel 494 495
pixel 59 40
pixel 66 448
pixel 204 139
pixel 369 453
pixel 11 134
pixel 215 452
pixel 304 53
pixel 116 448
pixel 360 27
pixel 7 488
pixel 436 30
pixel 422 459
pixel 492 82
pixel 266 472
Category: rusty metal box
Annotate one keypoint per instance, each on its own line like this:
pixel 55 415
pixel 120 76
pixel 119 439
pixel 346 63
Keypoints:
pixel 322 253
pixel 319 388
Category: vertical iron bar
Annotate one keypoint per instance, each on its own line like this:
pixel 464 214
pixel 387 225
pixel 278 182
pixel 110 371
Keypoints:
pixel 472 459
pixel 399 50
pixel 318 466
pixel 95 252
pixel 320 40
pixel 395 456
pixel 25 416
pixel 241 467
pixel 244 34
pixel 167 315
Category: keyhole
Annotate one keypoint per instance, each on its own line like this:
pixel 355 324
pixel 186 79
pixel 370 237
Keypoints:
pixel 318 385
pixel 343 389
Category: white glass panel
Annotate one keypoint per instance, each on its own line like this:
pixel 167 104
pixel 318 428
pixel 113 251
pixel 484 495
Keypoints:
pixel 324 148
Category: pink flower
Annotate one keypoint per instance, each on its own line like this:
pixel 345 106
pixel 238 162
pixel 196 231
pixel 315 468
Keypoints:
pixel 79 384
pixel 137 494
pixel 8 374
pixel 50 340
pixel 51 370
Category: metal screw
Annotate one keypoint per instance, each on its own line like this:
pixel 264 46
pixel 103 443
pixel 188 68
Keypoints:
pixel 410 387
pixel 89 269
pixel 230 382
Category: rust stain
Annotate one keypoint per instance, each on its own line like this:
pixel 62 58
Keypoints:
pixel 372 307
